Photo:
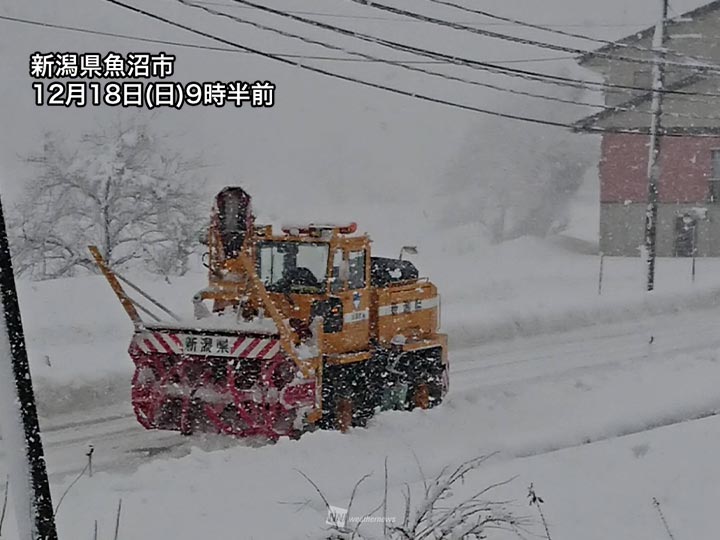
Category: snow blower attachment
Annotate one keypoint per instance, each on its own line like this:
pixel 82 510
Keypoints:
pixel 304 329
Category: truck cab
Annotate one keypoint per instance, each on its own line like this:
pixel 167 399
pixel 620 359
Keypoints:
pixel 317 270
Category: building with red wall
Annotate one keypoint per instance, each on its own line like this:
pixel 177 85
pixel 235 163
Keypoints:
pixel 689 184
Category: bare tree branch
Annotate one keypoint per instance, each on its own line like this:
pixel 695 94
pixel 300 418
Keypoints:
pixel 317 489
pixel 355 487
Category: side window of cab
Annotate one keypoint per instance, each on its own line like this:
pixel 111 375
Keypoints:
pixel 339 271
pixel 356 269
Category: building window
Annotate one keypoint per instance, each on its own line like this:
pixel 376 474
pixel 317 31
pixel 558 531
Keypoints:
pixel 714 181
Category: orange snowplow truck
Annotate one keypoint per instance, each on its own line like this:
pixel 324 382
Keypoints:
pixel 295 330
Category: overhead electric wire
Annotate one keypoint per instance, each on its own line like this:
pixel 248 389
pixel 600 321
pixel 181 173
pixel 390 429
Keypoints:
pixel 519 40
pixel 369 84
pixel 445 76
pixel 506 21
pixel 400 64
pixel 339 76
pixel 550 29
pixel 467 62
pixel 90 31
pixel 109 34
pixel 438 57
pixel 518 22
pixel 405 20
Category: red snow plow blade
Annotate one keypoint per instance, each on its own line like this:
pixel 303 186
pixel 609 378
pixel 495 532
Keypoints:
pixel 236 384
pixel 244 381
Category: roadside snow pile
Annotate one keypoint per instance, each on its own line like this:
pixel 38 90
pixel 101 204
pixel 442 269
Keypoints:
pixel 513 319
pixel 531 286
pixel 78 335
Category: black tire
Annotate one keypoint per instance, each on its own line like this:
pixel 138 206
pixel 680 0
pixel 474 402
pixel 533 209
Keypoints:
pixel 352 382
pixel 425 374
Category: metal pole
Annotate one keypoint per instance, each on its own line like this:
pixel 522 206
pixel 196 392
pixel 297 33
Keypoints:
pixel 694 249
pixel 693 268
pixel 18 413
pixel 600 273
pixel 654 153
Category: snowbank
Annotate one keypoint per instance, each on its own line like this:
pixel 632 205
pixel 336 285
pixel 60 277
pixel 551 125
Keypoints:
pixel 477 324
pixel 532 286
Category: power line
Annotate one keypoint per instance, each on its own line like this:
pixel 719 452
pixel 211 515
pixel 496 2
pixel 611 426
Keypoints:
pixel 399 63
pixel 447 60
pixel 438 58
pixel 109 34
pixel 232 50
pixel 515 39
pixel 346 78
pixel 405 20
pixel 467 62
pixel 517 22
pixel 368 57
pixel 547 28
pixel 339 76
pixel 339 59
pixel 445 76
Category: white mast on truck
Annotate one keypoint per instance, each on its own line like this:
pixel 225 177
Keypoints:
pixel 18 415
pixel 658 84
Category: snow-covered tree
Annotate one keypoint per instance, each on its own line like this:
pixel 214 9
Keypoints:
pixel 121 189
pixel 516 179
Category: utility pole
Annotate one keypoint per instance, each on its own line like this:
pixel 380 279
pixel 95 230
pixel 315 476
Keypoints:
pixel 658 86
pixel 18 414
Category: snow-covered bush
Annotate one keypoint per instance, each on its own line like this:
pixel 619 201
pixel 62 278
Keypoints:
pixel 433 515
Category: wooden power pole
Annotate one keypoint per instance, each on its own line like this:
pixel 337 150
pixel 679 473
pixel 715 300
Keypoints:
pixel 658 87
pixel 18 414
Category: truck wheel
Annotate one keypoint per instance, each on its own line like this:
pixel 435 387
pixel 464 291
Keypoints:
pixel 426 374
pixel 421 396
pixel 425 393
pixel 343 414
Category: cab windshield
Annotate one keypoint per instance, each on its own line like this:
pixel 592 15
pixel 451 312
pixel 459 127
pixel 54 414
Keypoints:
pixel 293 267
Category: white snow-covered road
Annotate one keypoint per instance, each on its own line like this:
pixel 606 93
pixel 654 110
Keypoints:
pixel 529 391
